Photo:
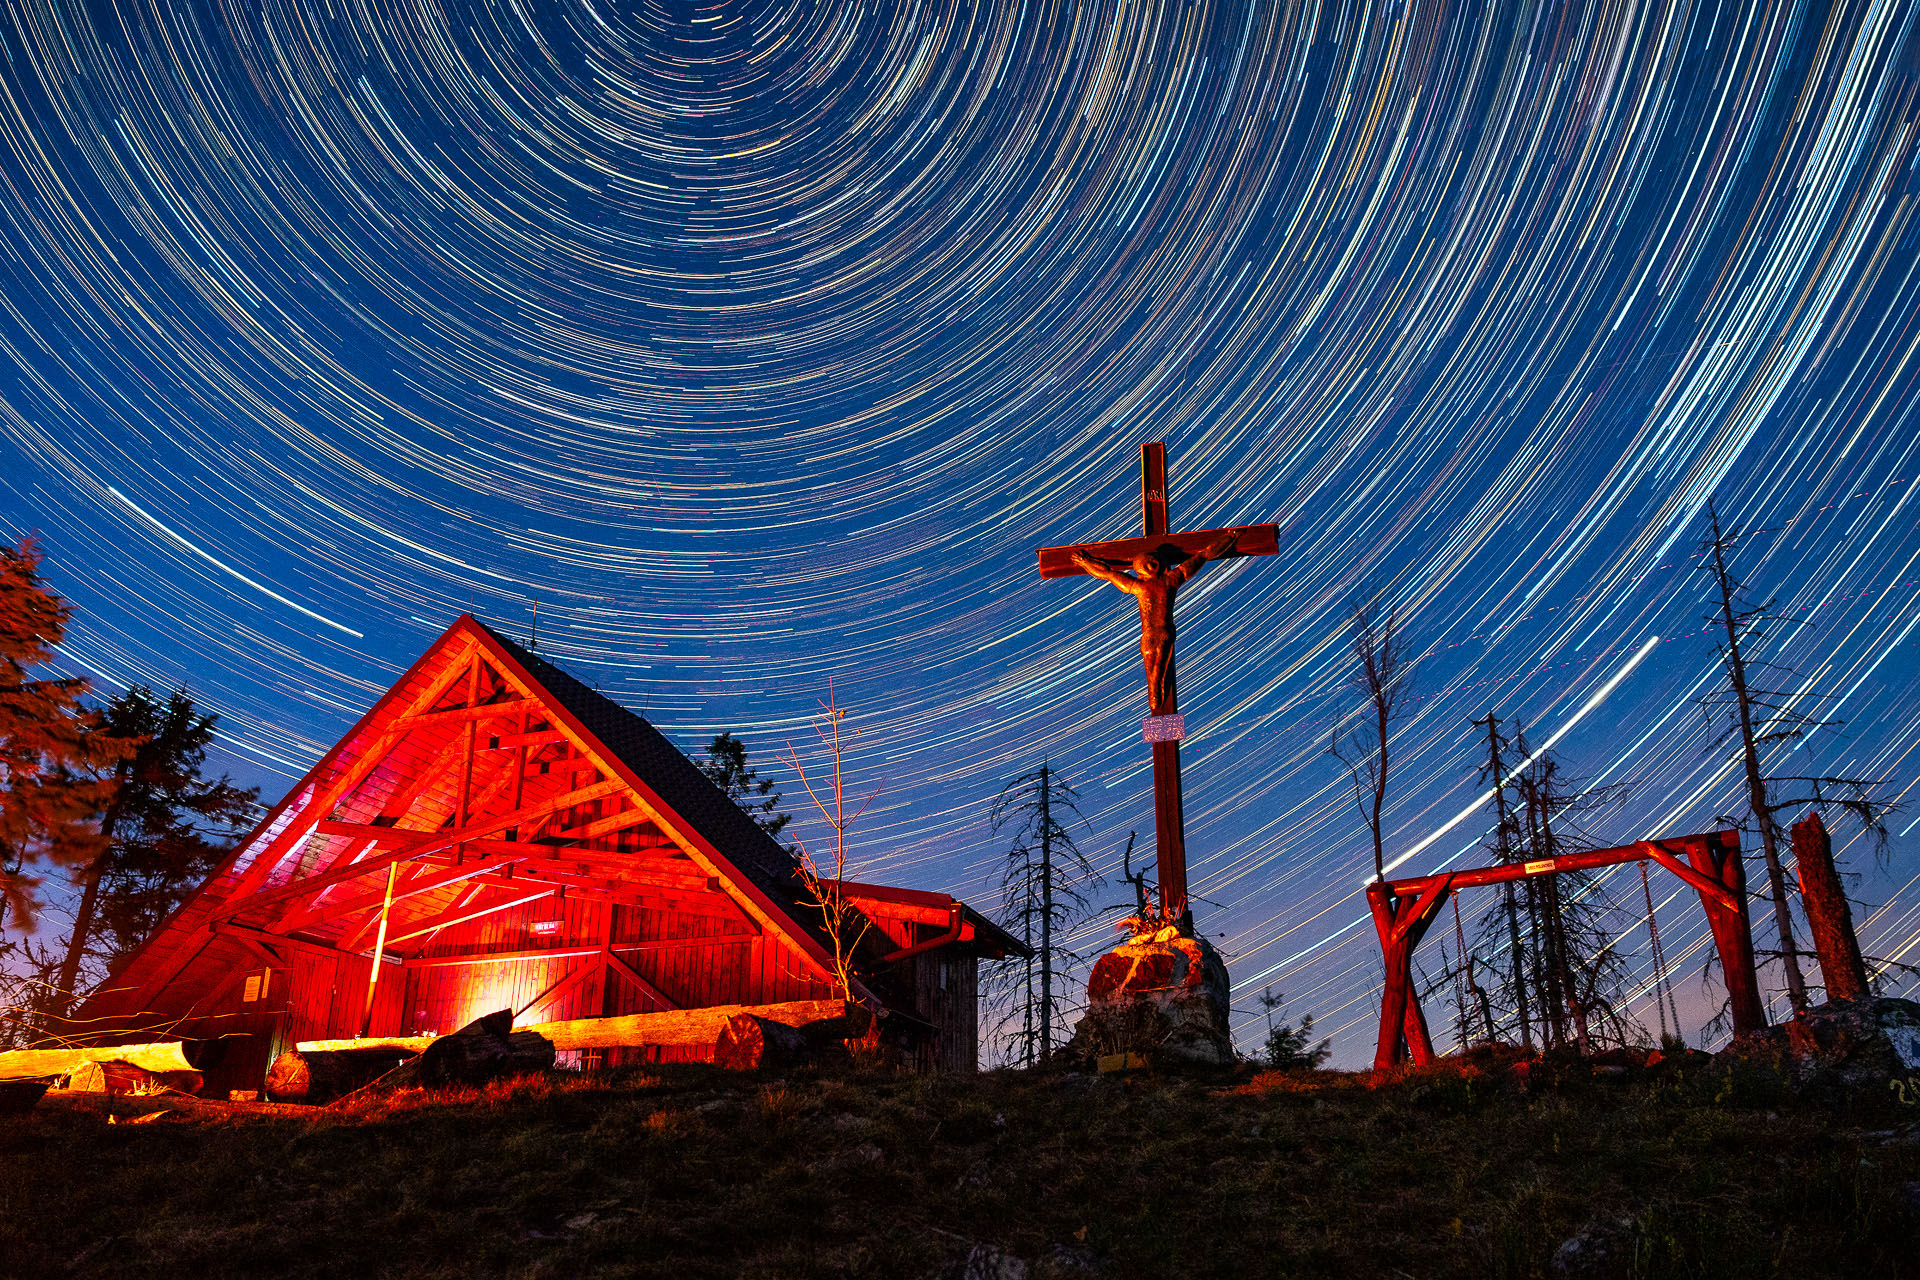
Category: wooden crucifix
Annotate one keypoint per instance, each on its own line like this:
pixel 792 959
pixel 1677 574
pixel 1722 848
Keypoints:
pixel 1152 568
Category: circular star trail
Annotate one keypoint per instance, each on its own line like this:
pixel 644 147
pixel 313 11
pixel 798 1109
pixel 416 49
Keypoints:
pixel 762 343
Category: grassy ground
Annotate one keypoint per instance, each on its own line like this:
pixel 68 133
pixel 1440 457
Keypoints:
pixel 688 1172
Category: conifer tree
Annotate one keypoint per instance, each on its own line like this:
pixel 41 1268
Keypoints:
pixel 52 749
pixel 1561 969
pixel 725 762
pixel 164 830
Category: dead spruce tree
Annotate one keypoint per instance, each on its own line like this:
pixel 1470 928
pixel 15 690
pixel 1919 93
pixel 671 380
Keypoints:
pixel 1759 722
pixel 1379 676
pixel 1561 972
pixel 1043 884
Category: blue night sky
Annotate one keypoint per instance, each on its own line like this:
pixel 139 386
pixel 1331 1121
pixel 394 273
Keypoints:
pixel 762 343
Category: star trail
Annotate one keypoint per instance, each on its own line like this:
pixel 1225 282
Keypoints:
pixel 761 343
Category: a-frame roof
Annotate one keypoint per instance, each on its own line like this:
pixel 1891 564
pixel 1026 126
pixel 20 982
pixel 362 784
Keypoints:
pixel 485 771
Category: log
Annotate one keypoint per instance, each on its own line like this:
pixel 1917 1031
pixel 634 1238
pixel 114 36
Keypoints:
pixel 700 1026
pixel 823 1021
pixel 20 1096
pixel 48 1064
pixel 748 1043
pixel 408 1045
pixel 319 1077
pixel 115 1078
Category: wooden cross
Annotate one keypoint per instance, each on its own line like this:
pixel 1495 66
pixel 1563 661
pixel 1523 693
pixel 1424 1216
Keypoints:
pixel 1165 728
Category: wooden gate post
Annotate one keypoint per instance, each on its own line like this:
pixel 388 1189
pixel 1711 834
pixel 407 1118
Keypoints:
pixel 1718 857
pixel 1401 923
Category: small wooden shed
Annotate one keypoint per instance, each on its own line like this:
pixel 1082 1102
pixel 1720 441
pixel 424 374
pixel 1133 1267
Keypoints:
pixel 495 834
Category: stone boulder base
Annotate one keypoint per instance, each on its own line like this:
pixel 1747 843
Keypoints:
pixel 1161 995
pixel 1857 1049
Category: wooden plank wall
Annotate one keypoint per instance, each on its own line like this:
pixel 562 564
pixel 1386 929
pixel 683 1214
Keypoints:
pixel 946 986
pixel 321 997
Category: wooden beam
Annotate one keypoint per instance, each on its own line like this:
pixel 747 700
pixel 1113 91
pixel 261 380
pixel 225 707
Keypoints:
pixel 607 826
pixel 542 849
pixel 501 957
pixel 616 965
pixel 531 738
pixel 1255 540
pixel 324 802
pixel 35 1064
pixel 451 918
pixel 560 872
pixel 562 983
pixel 394 808
pixel 423 881
pixel 667 1027
pixel 241 932
pixel 433 843
pixel 458 715
pixel 680 1026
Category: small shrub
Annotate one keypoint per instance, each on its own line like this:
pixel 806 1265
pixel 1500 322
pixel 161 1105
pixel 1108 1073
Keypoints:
pixel 1291 1047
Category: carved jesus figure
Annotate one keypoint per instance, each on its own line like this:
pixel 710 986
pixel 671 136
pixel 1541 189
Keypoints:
pixel 1154 588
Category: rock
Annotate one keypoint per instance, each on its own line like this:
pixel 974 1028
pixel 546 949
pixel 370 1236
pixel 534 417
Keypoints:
pixel 1161 995
pixel 1856 1051
pixel 483 1050
pixel 1604 1248
pixel 984 1262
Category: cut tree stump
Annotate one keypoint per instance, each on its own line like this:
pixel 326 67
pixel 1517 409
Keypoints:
pixel 748 1042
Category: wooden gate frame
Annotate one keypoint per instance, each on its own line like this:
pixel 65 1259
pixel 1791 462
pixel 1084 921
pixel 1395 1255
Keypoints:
pixel 1404 909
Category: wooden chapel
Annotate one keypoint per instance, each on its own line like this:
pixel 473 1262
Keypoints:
pixel 493 834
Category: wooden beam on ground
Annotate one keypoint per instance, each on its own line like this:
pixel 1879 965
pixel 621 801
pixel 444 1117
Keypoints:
pixel 679 1026
pixel 37 1064
pixel 633 1030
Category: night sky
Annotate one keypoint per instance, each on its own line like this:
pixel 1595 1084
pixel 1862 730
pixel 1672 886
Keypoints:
pixel 762 343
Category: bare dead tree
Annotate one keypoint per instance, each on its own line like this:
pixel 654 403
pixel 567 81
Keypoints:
pixel 1505 846
pixel 842 922
pixel 1042 885
pixel 1379 676
pixel 1759 720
